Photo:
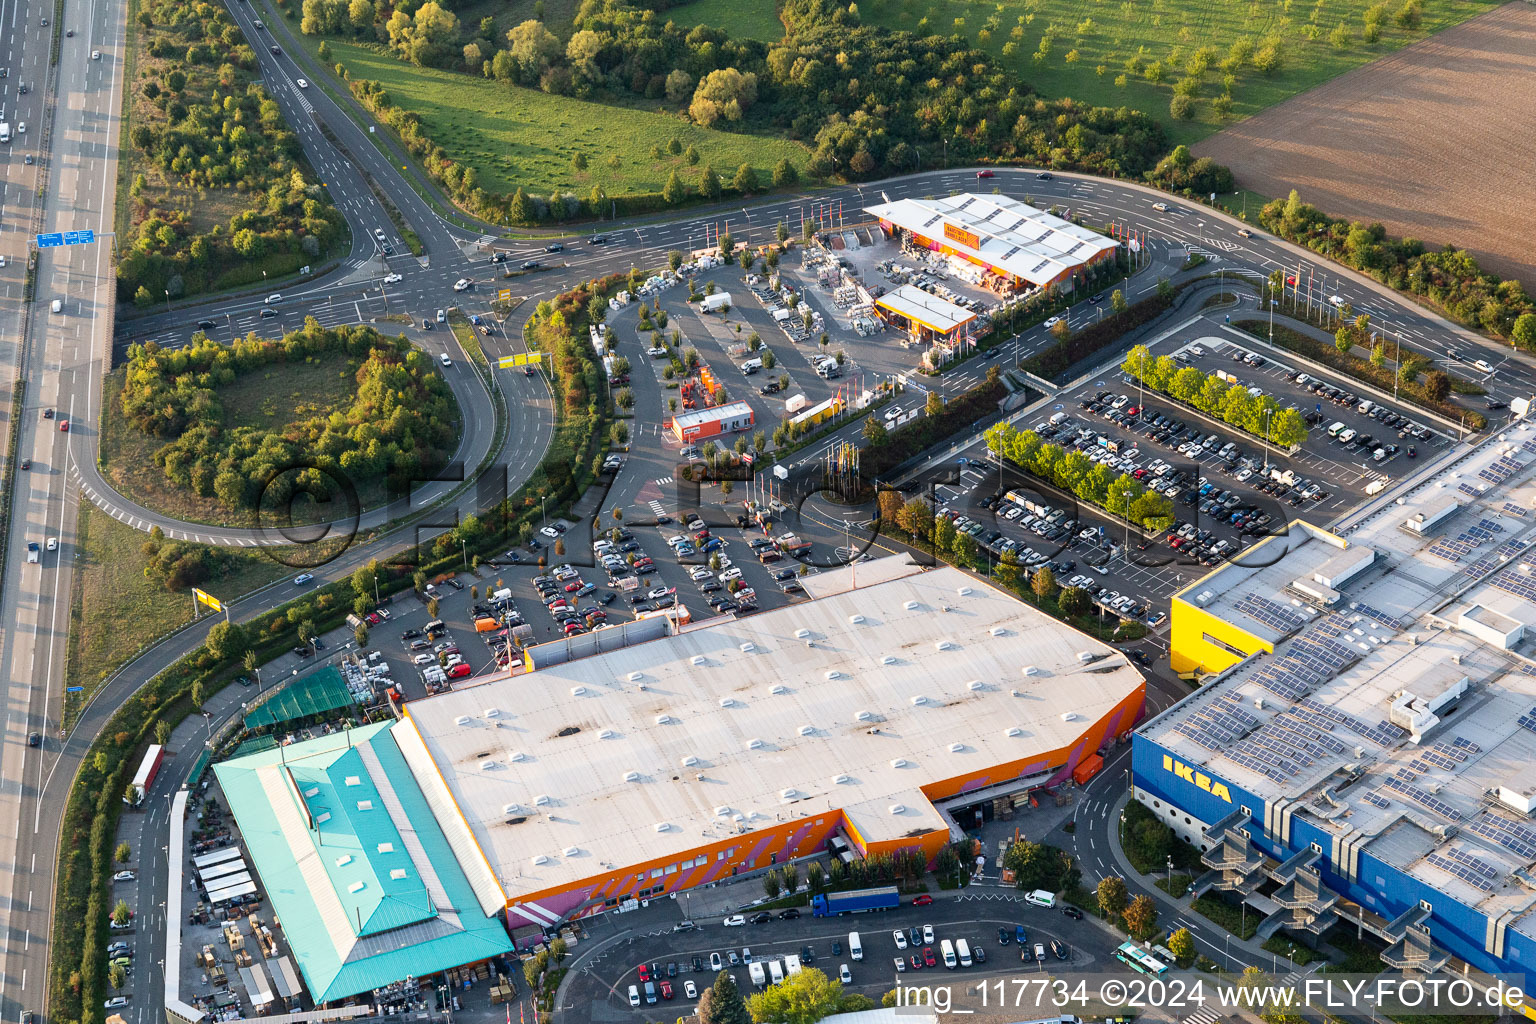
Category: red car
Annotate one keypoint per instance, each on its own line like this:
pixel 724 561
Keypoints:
pixel 928 957
pixel 571 588
pixel 459 671
pixel 666 989
pixel 917 963
pixel 984 174
pixel 923 901
pixel 645 974
pixel 64 426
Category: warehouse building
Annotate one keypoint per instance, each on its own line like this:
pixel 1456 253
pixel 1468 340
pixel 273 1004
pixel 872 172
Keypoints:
pixel 925 318
pixel 881 715
pixel 1363 753
pixel 1018 246
pixel 703 424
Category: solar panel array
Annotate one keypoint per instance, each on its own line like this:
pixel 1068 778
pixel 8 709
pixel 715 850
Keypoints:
pixel 1510 508
pixel 1529 446
pixel 1501 469
pixel 1488 563
pixel 1423 798
pixel 1528 720
pixel 1467 746
pixel 1452 550
pixel 1519 582
pixel 1390 621
pixel 1287 745
pixel 1276 616
pixel 1383 734
pixel 1378 800
pixel 1469 490
pixel 1513 836
pixel 1466 873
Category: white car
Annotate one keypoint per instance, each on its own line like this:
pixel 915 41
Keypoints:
pixel 845 975
pixel 115 1002
pixel 700 574
pixel 393 279
pixel 927 934
pixel 21 129
pixel 901 965
pixel 634 997
pixel 423 659
pixel 301 83
pixel 442 316
pixel 901 940
pixel 1160 207
pixel 1334 300
pixel 1484 365
pixel 730 576
pixel 53 543
pixel 659 592
pixel 274 298
pixel 461 284
pixel 734 921
pixel 95 55
pixel 302 578
pixel 1053 321
pixel 123 876
pixel 549 531
pixel 444 359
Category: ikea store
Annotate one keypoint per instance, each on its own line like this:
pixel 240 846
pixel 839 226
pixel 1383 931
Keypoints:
pixel 657 758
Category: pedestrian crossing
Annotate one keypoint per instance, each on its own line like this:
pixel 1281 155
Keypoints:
pixel 657 507
pixel 1204 1015
pixel 662 481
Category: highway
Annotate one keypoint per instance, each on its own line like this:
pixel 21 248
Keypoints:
pixel 62 362
pixel 66 354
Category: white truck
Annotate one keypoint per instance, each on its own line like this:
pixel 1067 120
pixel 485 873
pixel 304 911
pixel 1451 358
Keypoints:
pixel 34 553
pixel 716 302
pixel 5 131
pixel 829 368
pixel 795 403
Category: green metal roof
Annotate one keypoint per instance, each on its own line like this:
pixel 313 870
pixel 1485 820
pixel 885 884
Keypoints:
pixel 355 864
pixel 321 691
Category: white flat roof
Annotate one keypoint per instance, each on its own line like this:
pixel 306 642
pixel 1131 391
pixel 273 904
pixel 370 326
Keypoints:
pixel 853 701
pixel 929 310
pixel 718 412
pixel 1010 235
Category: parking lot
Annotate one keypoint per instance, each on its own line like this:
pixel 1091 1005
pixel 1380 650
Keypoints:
pixel 679 958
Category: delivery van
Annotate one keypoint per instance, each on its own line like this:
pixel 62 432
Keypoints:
pixel 751 366
pixel 855 949
pixel 948 949
pixel 1040 898
pixel 963 950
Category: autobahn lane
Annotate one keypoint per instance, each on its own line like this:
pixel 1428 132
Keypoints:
pixel 62 356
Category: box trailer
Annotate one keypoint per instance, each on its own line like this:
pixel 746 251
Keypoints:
pixel 716 302
pixel 855 901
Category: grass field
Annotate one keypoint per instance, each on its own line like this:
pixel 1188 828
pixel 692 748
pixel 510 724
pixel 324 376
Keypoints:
pixel 751 20
pixel 117 610
pixel 290 391
pixel 523 137
pixel 1091 41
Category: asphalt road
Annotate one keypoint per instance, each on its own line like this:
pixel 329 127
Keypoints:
pixel 62 361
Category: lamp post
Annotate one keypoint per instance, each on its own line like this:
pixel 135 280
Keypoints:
pixel 375 590
pixel 1170 876
pixel 168 300
pixel 543 521
pixel 1268 413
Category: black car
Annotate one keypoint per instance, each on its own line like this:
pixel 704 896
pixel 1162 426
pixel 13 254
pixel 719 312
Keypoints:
pixel 598 240
pixel 761 917
pixel 1496 405
pixel 554 247
pixel 790 914
pixel 26 463
pixel 500 257
pixel 698 964
pixel 607 598
pixel 1045 176
pixel 267 314
pixel 410 634
pixel 275 51
pixel 454 582
pixel 530 264
pixel 672 969
pixel 1073 913
pixel 1059 948
pixel 837 948
pixel 206 325
pixel 1004 936
pixel 914 937
pixel 35 740
pixel 978 954
pixel 771 388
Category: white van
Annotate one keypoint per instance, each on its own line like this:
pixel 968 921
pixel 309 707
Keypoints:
pixel 58 305
pixel 828 368
pixel 855 950
pixel 1040 898
pixel 1347 436
pixel 755 969
pixel 1334 428
pixel 775 972
pixel 948 949
pixel 964 950
pixel 751 366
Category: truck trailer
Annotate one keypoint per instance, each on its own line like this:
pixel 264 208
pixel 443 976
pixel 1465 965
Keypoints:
pixel 855 901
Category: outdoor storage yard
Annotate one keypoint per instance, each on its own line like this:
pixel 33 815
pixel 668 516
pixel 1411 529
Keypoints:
pixel 1422 141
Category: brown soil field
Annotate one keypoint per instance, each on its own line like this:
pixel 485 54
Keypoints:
pixel 1430 141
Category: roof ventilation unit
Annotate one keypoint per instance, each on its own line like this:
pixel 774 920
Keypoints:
pixel 957 748
pixel 899 762
pixel 539 860
pixel 802 634
pixel 461 720
pixel 911 606
pixel 357 887
pixel 511 808
pixel 865 716
pixel 311 792
pixel 662 826
pixel 344 860
pixel 491 712
pixel 755 744
pixel 1085 656
pixel 697 659
pixel 964 591
pixel 998 631
pixel 635 677
pixel 542 800
pixel 778 689
pixel 975 684
pixel 722 811
pixel 1014 693
pixel 487 765
pixel 807 730
pixel 1030 670
pixel 608 734
pixel 889 659
pixel 690 761
pixel 919 700
pixel 789 794
pixel 353 780
pixel 857 620
pixel 945 645
pixel 1069 716
pixel 516 756
pixel 578 691
pixel 727 702
pixel 841 780
pixel 631 776
pixel 834 674
pixel 898 808
pixel 748 648
pixel 664 719
pixel 572 851
pixel 1013 731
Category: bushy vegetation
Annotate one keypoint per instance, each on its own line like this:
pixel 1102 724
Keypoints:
pixel 399 427
pixel 1220 399
pixel 202 125
pixel 867 100
pixel 1449 277
pixel 1074 472
pixel 1072 348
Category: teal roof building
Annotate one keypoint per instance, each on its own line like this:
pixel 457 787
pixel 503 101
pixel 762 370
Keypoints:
pixel 365 885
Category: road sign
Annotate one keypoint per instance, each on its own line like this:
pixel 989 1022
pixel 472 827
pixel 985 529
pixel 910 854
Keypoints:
pixel 505 295
pixel 58 238
pixel 73 689
pixel 207 599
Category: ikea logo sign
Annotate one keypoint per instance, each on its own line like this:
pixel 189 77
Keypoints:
pixel 1203 781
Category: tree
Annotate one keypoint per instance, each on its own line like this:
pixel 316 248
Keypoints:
pixel 745 181
pixel 360 634
pixel 1043 583
pixel 1117 301
pixel 117 977
pixel 1523 334
pixel 709 183
pixel 197 694
pixel 815 876
pixel 1072 601
pixel 934 406
pixel 802 998
pixel 723 94
pixel 674 193
pixel 1061 330
pixel 121 915
pixel 1113 896
pixel 1182 945
pixel 1437 385
pixel 721 1003
pixel 226 640
pixel 874 432
pixel 432 607
pixel 784 175
pixel 943 534
pixel 679 85
pixel 1141 916
pixel 123 853
pixel 915 517
pixel 772 885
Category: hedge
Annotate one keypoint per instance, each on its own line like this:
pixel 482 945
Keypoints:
pixel 1099 335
